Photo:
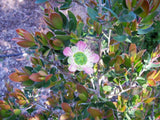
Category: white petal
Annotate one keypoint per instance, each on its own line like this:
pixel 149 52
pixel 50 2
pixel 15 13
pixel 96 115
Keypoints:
pixel 72 68
pixel 67 51
pixel 88 70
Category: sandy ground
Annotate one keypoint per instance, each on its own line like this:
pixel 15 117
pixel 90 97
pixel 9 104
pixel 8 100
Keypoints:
pixel 19 14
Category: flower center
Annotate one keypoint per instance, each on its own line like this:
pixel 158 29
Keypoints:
pixel 80 58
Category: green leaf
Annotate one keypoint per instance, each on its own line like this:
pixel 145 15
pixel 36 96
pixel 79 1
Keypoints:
pixel 107 88
pixel 65 20
pixel 66 5
pixel 80 29
pixel 150 17
pixel 72 22
pixel 127 17
pixel 120 38
pixel 82 97
pixel 115 15
pixel 92 13
pixel 138 11
pixel 63 37
pixel 145 31
pixel 40 1
pixel 141 80
pixel 28 83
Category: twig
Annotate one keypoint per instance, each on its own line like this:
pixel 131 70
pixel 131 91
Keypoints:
pixel 100 6
pixel 109 39
pixel 99 74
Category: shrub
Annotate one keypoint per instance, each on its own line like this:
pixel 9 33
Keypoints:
pixel 96 70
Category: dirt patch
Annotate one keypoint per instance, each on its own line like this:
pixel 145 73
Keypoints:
pixel 15 14
pixel 20 14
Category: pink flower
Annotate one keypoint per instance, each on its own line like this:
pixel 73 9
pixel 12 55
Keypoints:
pixel 81 58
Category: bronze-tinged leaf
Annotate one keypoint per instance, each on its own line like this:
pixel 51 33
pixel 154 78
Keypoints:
pixel 82 89
pixel 58 43
pixel 24 77
pixel 122 109
pixel 21 32
pixel 21 102
pixel 48 77
pixel 34 60
pixel 15 77
pixel 119 60
pixel 35 77
pixel 47 20
pixel 18 39
pixel 28 36
pixel 66 107
pixel 151 82
pixel 157 76
pixel 155 5
pixel 26 44
pixel 140 54
pixel 134 25
pixel 139 3
pixel 42 73
pixel 56 20
pixel 64 117
pixel 5 107
pixel 149 100
pixel 145 6
pixel 132 50
pixel 129 4
pixel 151 74
pixel 127 30
pixel 95 112
pixel 110 115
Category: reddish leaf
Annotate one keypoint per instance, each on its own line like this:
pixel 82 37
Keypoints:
pixel 119 60
pixel 56 20
pixel 95 112
pixel 66 107
pixel 21 102
pixel 48 77
pixel 157 76
pixel 139 3
pixel 134 25
pixel 145 6
pixel 25 44
pixel 151 82
pixel 34 60
pixel 16 78
pixel 18 39
pixel 155 5
pixel 132 50
pixel 5 107
pixel 110 114
pixel 35 77
pixel 47 20
pixel 127 30
pixel 82 89
pixel 58 43
pixel 21 32
pixel 28 36
pixel 129 4
pixel 139 54
pixel 151 74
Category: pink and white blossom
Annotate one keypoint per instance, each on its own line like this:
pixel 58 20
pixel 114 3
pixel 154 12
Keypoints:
pixel 81 58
